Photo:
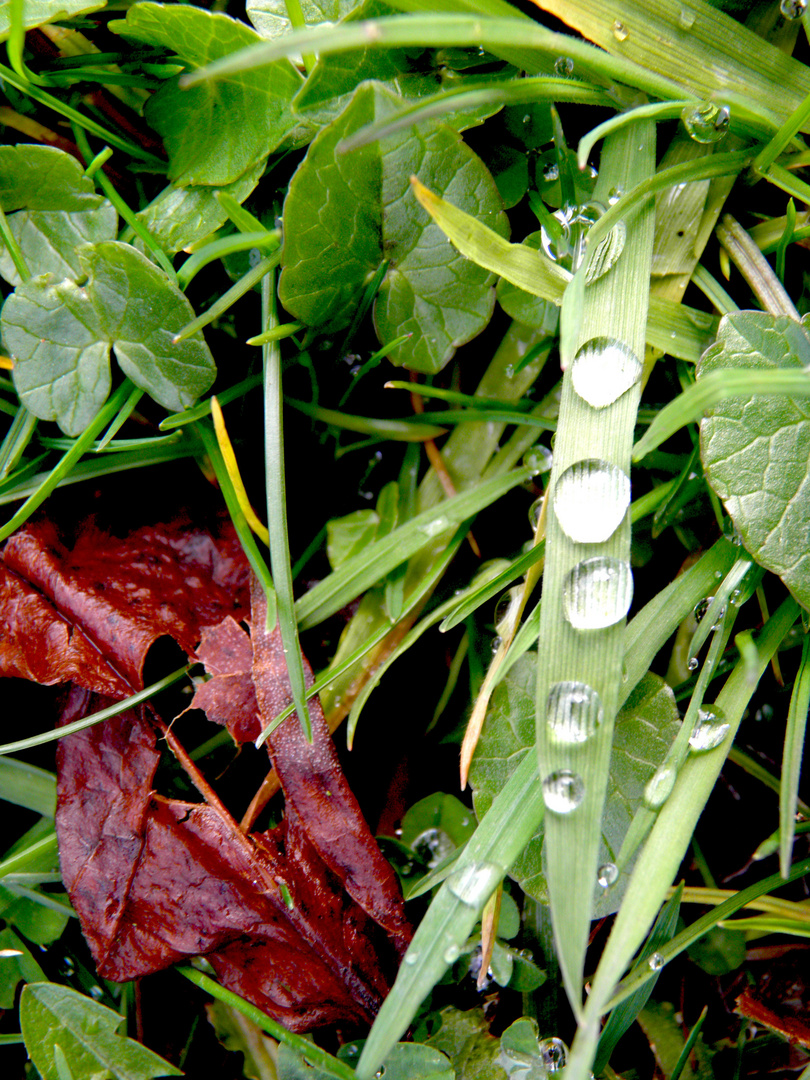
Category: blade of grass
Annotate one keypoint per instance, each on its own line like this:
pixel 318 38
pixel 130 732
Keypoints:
pixel 229 298
pixel 29 786
pixel 232 467
pixel 16 440
pixel 225 245
pixel 792 757
pixel 406 430
pixel 198 412
pixel 275 481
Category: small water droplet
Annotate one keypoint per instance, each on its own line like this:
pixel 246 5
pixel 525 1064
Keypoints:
pixel 507 610
pixel 607 874
pixel 701 607
pixel 496 644
pixel 563 791
pixel 432 846
pixel 451 954
pixel 706 122
pixel 96 993
pixel 656 961
pixel 590 500
pixel 606 254
pixel 538 459
pixel 597 592
pixel 793 9
pixel 692 663
pixel 534 512
pixel 564 66
pixel 659 786
pixel 551 172
pixel 604 369
pixel 614 195
pixel 709 732
pixel 686 19
pixel 435 527
pixel 573 712
pixel 380 1073
pixel 620 31
pixel 553 1053
pixel 410 958
pixel 527 119
pixel 474 883
pixel 509 371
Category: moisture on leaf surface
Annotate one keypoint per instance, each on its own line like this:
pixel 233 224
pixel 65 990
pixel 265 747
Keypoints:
pixel 756 450
pixel 347 212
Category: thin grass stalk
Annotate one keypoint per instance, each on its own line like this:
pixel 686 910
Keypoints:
pixel 574 768
pixel 792 758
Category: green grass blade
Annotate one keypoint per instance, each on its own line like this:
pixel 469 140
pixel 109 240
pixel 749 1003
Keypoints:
pixel 26 785
pixel 229 298
pixel 372 564
pixel 401 430
pixel 16 439
pixel 711 390
pixel 198 412
pixel 660 858
pixel 792 757
pixel 277 512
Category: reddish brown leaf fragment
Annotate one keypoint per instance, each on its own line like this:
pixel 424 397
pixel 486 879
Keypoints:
pixel 789 1027
pixel 229 698
pixel 125 593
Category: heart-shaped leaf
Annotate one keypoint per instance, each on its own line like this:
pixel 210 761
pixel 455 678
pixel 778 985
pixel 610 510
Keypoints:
pixel 345 213
pixel 756 450
pixel 60 333
pixel 43 178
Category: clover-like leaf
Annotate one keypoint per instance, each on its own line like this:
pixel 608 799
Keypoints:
pixel 84 1032
pixel 645 728
pixel 48 240
pixel 43 178
pixel 59 333
pixel 756 450
pixel 216 131
pixel 345 213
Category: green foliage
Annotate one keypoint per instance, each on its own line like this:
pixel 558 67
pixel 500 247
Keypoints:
pixel 61 1025
pixel 69 380
pixel 344 214
pixel 755 450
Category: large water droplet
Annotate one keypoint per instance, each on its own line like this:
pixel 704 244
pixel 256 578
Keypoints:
pixel 507 610
pixel 563 791
pixel 553 1053
pixel 451 954
pixel 564 66
pixel 686 18
pixel 709 731
pixel 606 253
pixel 573 712
pixel 590 500
pixel 604 369
pixel 432 846
pixel 659 786
pixel 597 592
pixel 534 512
pixel 706 122
pixel 793 9
pixel 473 884
pixel 607 874
pixel 656 961
pixel 701 607
pixel 620 31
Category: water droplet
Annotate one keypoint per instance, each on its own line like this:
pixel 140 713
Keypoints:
pixel 604 369
pixel 474 883
pixel 254 257
pixel 451 954
pixel 607 874
pixel 507 610
pixel 496 644
pixel 534 512
pixel 692 663
pixel 432 846
pixel 564 66
pixel 606 254
pixel 706 122
pixel 435 527
pixel 701 607
pixel 538 459
pixel 793 9
pixel 563 791
pixel 526 119
pixel 96 993
pixel 551 172
pixel 614 195
pixel 659 786
pixel 597 592
pixel 686 19
pixel 590 500
pixel 656 961
pixel 553 1053
pixel 380 1073
pixel 410 958
pixel 620 31
pixel 509 371
pixel 573 712
pixel 710 731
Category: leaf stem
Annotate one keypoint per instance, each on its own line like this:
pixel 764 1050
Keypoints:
pixel 755 268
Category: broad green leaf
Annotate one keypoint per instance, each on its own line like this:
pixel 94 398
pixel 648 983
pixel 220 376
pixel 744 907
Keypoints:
pixel 179 217
pixel 756 449
pixel 521 305
pixel 348 535
pixel 213 134
pixel 344 214
pixel 645 728
pixel 408 1061
pixel 15 969
pixel 271 19
pixel 86 1032
pixel 436 826
pixel 37 12
pixel 48 240
pixel 719 951
pixel 60 334
pixel 44 178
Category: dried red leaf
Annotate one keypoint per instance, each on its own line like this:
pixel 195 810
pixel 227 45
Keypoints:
pixel 305 920
pixel 795 1031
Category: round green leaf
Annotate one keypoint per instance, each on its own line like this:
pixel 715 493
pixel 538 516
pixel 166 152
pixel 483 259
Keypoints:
pixel 345 213
pixel 43 178
pixel 48 239
pixel 756 450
